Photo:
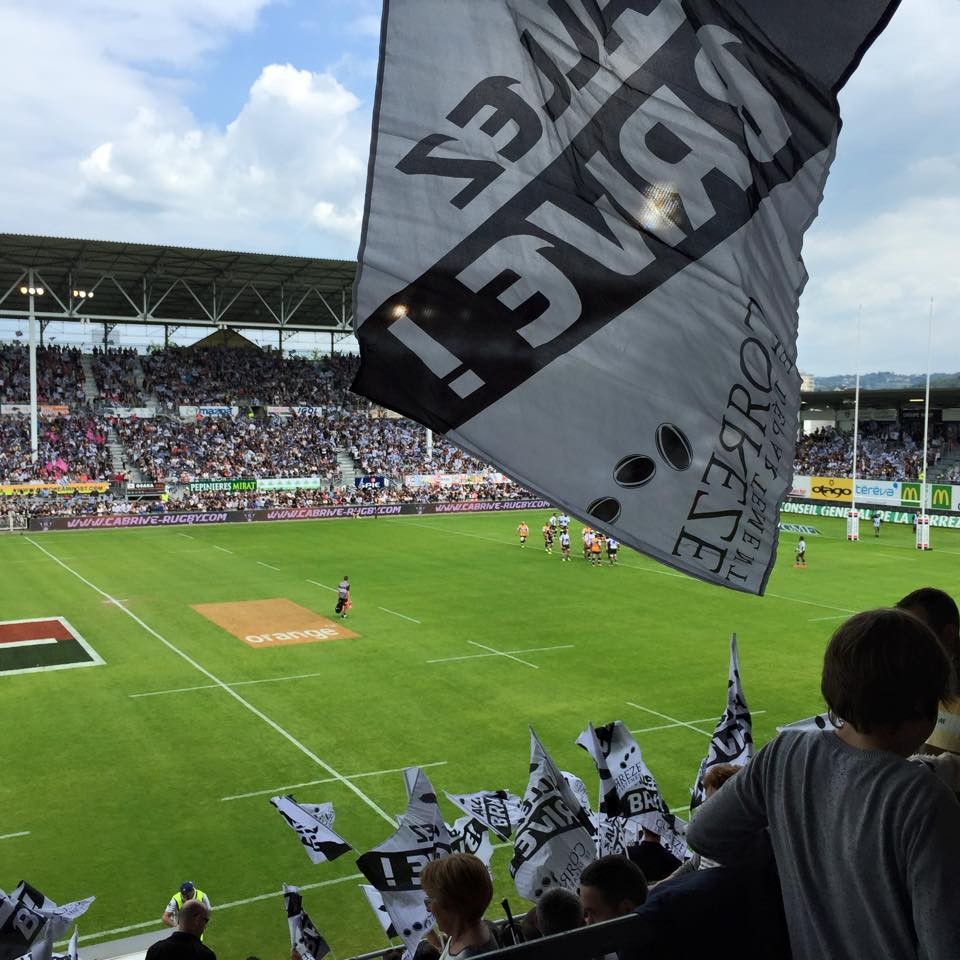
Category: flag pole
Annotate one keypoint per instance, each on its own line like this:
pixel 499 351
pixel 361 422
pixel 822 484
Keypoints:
pixel 853 517
pixel 923 527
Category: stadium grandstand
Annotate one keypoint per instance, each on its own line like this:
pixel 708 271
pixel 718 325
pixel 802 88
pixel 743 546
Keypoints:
pixel 174 428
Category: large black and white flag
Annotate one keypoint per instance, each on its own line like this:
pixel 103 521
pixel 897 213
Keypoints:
pixel 554 840
pixel 305 938
pixel 615 195
pixel 732 740
pixel 498 809
pixel 312 822
pixel 628 787
pixel 30 922
pixel 393 867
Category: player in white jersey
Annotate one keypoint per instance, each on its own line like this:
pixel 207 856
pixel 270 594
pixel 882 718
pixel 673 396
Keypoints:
pixel 613 545
pixel 565 544
pixel 564 522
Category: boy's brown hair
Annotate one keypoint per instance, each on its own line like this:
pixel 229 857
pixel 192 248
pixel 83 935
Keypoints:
pixel 883 668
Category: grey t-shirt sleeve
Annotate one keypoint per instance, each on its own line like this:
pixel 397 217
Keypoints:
pixel 726 827
pixel 932 856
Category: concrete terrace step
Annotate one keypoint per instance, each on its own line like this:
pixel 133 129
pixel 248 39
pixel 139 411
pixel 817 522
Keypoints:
pixel 89 381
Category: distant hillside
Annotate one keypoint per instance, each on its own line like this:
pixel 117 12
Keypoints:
pixel 885 380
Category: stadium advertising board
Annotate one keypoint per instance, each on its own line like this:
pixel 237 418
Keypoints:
pixel 43 524
pixel 891 493
pixel 832 489
pixel 125 413
pixel 888 516
pixel 188 412
pixel 293 483
pixel 44 409
pixel 415 480
pixel 222 486
pixel 878 491
pixel 44 489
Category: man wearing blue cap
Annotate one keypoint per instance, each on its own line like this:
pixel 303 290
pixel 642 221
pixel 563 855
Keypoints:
pixel 187 891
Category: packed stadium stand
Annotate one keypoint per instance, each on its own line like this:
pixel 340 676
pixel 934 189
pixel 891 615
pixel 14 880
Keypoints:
pixel 185 414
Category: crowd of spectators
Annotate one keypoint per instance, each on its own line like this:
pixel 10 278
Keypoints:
pixel 68 448
pixel 204 375
pixel 882 454
pixel 115 372
pixel 210 447
pixel 259 444
pixel 394 447
pixel 60 375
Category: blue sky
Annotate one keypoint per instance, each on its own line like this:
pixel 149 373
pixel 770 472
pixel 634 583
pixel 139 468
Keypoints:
pixel 244 124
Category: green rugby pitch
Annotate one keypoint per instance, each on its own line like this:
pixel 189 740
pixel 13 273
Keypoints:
pixel 127 778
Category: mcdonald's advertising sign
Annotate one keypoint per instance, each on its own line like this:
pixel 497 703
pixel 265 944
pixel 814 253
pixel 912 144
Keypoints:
pixel 910 493
pixel 941 496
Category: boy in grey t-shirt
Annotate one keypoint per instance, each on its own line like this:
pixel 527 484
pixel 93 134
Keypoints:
pixel 866 843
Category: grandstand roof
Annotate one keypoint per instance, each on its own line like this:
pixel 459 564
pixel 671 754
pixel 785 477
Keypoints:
pixel 152 283
pixel 901 398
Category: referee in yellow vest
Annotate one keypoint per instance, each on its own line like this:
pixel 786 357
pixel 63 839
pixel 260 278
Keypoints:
pixel 187 891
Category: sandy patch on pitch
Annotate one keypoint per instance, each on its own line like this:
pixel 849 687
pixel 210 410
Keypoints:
pixel 272 623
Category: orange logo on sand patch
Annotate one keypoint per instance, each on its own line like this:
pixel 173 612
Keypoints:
pixel 272 623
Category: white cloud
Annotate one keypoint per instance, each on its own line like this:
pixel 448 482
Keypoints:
pixel 293 157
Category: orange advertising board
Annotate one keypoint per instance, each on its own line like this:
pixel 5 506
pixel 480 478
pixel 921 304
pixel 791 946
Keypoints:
pixel 273 623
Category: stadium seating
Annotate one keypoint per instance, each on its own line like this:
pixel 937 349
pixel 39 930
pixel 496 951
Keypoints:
pixel 269 437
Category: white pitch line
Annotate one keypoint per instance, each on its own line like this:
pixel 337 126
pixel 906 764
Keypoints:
pixel 478 656
pixel 10 836
pixel 841 616
pixel 229 683
pixel 509 656
pixel 224 549
pixel 325 587
pixel 187 535
pixel 401 615
pixel 679 723
pixel 289 737
pixel 270 565
pixel 29 643
pixel 313 783
pixel 222 906
pixel 673 726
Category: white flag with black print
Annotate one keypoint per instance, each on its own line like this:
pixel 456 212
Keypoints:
pixel 393 867
pixel 305 938
pixel 375 900
pixel 554 840
pixel 498 809
pixel 732 740
pixel 615 194
pixel 311 822
pixel 611 833
pixel 30 922
pixel 627 785
pixel 469 835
